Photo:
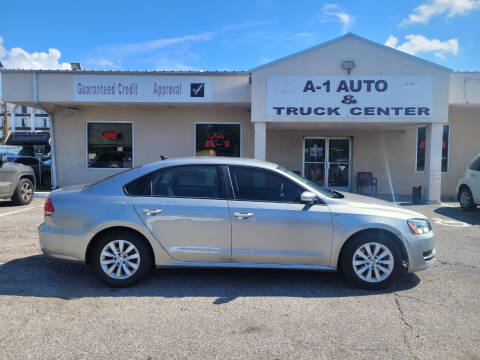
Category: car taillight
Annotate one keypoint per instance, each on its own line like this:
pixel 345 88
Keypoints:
pixel 48 208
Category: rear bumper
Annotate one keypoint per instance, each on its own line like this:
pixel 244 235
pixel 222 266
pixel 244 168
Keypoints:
pixel 421 251
pixel 62 245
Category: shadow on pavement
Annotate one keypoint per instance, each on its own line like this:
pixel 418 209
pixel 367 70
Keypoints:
pixel 469 217
pixel 40 276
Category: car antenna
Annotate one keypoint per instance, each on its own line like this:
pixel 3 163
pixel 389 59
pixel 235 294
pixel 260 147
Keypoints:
pixel 162 157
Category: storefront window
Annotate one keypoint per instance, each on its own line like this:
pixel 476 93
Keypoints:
pixel 218 140
pixel 445 145
pixel 421 140
pixel 109 145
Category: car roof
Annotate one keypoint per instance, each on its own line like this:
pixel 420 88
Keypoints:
pixel 214 160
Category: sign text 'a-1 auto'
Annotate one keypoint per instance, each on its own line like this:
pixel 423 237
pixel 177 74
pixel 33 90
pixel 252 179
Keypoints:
pixel 349 96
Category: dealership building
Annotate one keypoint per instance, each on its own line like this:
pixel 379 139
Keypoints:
pixel 341 108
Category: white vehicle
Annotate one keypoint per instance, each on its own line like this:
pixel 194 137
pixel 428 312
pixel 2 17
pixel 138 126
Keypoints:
pixel 468 187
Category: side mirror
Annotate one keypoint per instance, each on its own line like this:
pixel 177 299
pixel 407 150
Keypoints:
pixel 3 160
pixel 308 197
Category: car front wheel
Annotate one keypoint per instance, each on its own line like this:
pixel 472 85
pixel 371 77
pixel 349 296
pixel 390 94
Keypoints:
pixel 121 258
pixel 23 194
pixel 466 199
pixel 372 261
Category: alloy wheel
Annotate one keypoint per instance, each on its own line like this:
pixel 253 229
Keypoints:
pixel 465 199
pixel 120 259
pixel 26 191
pixel 373 262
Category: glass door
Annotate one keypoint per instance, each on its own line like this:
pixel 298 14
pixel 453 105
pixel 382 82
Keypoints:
pixel 314 160
pixel 326 161
pixel 338 163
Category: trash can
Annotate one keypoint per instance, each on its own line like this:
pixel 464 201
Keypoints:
pixel 417 195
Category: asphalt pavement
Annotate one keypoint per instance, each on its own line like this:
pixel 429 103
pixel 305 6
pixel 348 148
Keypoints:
pixel 51 309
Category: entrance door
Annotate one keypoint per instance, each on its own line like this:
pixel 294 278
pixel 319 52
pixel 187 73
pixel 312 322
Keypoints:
pixel 327 161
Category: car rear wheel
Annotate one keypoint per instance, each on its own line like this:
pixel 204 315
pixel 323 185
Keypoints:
pixel 23 194
pixel 121 258
pixel 466 199
pixel 372 261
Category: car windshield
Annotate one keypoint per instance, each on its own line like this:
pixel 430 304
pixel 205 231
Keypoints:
pixel 322 190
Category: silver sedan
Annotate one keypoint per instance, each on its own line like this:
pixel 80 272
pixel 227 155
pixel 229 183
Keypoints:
pixel 227 212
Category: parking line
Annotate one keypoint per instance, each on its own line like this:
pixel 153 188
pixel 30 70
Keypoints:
pixel 17 211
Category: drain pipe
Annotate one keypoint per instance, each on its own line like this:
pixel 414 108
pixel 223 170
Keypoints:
pixel 52 137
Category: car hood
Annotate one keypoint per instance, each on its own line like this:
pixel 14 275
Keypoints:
pixel 362 202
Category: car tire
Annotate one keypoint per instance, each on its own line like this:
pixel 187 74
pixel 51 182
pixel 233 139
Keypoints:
pixel 24 191
pixel 465 198
pixel 138 261
pixel 376 271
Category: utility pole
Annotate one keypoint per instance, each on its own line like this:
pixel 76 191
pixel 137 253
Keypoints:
pixel 5 123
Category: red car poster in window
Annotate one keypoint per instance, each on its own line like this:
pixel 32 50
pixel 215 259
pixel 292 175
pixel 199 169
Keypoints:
pixel 216 140
pixel 111 135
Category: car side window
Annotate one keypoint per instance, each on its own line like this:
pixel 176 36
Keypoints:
pixel 196 181
pixel 475 164
pixel 252 184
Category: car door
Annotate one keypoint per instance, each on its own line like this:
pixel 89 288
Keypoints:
pixel 270 225
pixel 7 179
pixel 184 207
pixel 4 179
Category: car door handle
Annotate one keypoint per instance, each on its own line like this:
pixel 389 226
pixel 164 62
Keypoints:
pixel 242 215
pixel 150 212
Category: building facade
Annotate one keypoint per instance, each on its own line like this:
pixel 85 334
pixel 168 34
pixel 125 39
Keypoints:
pixel 346 106
pixel 24 118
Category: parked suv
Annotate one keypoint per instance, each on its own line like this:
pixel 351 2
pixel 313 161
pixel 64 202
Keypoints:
pixel 17 182
pixel 468 187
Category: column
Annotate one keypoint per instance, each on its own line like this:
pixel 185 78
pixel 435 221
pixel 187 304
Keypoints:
pixel 260 144
pixel 13 119
pixel 433 163
pixel 33 120
pixel 53 154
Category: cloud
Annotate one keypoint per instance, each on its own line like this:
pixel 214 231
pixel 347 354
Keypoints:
pixel 333 10
pixel 152 45
pixel 417 44
pixel 17 58
pixel 101 63
pixel 423 13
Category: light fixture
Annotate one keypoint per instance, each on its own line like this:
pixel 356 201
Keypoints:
pixel 348 65
pixel 76 66
pixel 71 111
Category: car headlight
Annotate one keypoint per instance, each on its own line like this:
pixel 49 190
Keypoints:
pixel 419 226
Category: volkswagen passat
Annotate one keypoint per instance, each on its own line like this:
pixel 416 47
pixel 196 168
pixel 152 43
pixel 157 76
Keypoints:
pixel 226 212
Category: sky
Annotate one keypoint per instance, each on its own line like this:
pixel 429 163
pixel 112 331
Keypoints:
pixel 226 35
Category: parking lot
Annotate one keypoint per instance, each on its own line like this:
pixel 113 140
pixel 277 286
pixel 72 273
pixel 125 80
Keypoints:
pixel 53 309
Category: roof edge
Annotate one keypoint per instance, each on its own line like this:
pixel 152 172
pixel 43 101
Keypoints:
pixel 353 36
pixel 127 72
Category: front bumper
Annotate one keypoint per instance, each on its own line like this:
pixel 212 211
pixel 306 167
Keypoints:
pixel 421 251
pixel 60 244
